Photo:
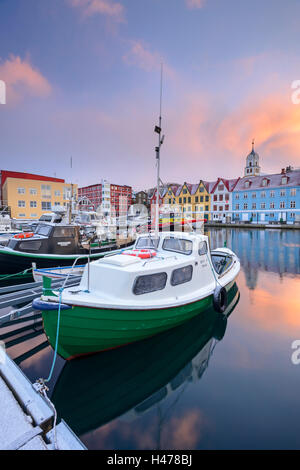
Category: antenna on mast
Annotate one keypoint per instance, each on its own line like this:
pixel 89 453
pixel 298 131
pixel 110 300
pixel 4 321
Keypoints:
pixel 157 129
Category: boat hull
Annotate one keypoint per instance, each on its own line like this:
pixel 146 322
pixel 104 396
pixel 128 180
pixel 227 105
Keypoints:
pixel 86 330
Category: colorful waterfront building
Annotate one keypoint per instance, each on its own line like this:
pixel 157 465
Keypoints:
pixel 268 198
pixel 221 199
pixel 192 199
pixel 107 196
pixel 28 196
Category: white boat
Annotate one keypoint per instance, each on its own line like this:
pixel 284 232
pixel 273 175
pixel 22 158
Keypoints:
pixel 61 272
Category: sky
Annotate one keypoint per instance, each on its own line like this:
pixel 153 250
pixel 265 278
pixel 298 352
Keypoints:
pixel 83 81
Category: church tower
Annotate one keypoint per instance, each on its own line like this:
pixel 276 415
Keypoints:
pixel 252 163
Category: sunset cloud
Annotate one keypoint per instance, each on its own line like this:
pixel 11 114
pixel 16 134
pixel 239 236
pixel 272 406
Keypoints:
pixel 194 3
pixel 22 79
pixel 114 10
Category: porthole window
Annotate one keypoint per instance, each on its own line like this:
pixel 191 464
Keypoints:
pixel 149 283
pixel 182 275
pixel 202 248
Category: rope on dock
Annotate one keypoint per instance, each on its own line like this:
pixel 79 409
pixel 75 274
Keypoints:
pixel 40 384
pixel 21 273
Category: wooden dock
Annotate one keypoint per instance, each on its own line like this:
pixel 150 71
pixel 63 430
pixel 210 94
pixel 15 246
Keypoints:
pixel 26 418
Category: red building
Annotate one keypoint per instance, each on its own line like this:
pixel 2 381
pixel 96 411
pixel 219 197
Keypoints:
pixel 120 197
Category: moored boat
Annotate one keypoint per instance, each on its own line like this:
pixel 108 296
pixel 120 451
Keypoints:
pixel 122 298
pixel 52 245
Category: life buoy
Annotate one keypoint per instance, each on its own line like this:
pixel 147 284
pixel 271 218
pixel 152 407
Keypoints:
pixel 24 235
pixel 143 253
pixel 220 300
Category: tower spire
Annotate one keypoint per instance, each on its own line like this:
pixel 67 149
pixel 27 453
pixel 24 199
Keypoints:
pixel 252 144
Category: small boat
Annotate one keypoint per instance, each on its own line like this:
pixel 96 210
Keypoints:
pixel 53 245
pixel 159 284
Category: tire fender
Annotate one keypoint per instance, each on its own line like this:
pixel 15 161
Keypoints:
pixel 220 299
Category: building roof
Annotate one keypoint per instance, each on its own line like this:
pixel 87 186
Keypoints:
pixel 229 184
pixel 28 176
pixel 273 181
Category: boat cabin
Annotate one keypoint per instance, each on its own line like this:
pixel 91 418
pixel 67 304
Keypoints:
pixel 48 238
pixel 170 268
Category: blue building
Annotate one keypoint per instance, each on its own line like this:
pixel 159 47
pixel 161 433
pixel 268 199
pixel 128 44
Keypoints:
pixel 266 199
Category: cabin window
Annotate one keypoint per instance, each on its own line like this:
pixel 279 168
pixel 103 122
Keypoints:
pixel 62 232
pixel 43 230
pixel 149 283
pixel 202 248
pixel 178 245
pixel 147 242
pixel 182 275
pixel 33 245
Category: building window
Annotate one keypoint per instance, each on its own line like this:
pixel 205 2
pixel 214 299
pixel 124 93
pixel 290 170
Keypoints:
pixel 282 192
pixel 272 215
pixel 206 198
pixel 56 192
pixel 245 206
pixel 46 191
pixel 21 215
pixel 220 208
pixel 282 205
pixel 237 206
pixel 197 199
pixel 215 208
pixel 272 205
pixel 263 205
pixel 254 205
pixel 189 199
pixel 221 187
pixel 237 196
pixel 67 193
pixel 284 180
pixel 293 205
pixel 184 200
pixel 220 197
pixel 272 193
pixel 33 215
pixel 264 182
pixel 254 195
pixel 247 184
pixel 263 194
pixel 33 204
pixel 21 203
pixel 292 215
pixel 180 200
pixel 293 192
pixel 46 205
pixel 201 198
pixel 21 190
pixel 227 207
pixel 33 191
pixel 245 195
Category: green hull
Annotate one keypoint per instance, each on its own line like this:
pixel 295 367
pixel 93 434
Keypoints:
pixel 85 330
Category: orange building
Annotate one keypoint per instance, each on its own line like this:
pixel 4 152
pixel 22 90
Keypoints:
pixel 28 196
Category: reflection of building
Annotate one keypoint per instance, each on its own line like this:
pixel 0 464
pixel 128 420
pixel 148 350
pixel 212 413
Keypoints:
pixel 29 196
pixel 275 250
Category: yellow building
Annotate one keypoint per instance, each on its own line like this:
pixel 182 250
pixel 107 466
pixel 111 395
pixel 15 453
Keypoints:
pixel 29 196
pixel 193 199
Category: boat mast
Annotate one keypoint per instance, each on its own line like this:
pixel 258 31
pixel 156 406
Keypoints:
pixel 157 129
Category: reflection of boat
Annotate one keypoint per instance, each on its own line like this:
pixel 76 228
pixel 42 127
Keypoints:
pixel 138 375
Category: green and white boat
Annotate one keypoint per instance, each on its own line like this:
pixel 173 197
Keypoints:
pixel 159 284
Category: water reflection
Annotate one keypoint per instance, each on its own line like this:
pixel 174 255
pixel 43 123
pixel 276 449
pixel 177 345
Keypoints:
pixel 130 381
pixel 276 251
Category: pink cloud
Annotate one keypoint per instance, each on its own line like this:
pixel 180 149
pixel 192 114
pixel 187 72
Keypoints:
pixel 109 8
pixel 22 78
pixel 139 55
pixel 194 3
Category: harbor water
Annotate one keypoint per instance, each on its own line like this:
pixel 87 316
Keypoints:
pixel 208 384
